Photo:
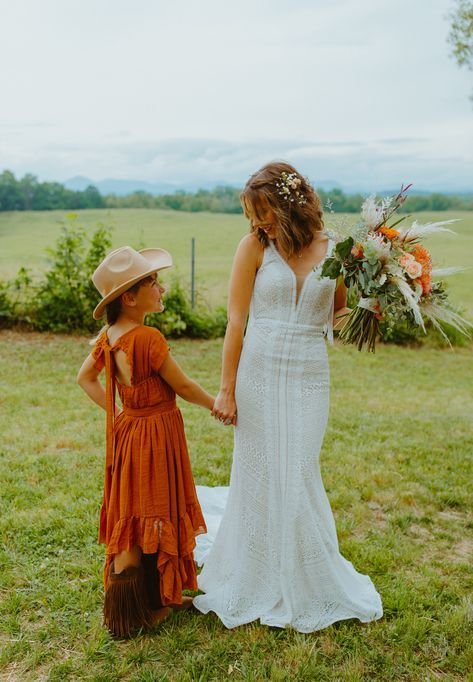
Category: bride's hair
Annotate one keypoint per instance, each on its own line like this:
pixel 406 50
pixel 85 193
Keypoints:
pixel 298 209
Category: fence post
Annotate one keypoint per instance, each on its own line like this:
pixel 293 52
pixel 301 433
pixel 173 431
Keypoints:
pixel 193 273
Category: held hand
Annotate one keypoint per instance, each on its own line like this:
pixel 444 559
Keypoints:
pixel 224 408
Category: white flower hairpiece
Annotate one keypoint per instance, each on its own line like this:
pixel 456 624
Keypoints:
pixel 288 187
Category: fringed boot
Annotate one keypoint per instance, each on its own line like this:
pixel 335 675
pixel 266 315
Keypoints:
pixel 152 585
pixel 152 580
pixel 126 607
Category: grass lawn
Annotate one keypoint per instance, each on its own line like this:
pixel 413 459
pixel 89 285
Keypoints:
pixel 397 468
pixel 24 236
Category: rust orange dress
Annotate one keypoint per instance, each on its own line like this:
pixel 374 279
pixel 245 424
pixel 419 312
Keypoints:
pixel 149 493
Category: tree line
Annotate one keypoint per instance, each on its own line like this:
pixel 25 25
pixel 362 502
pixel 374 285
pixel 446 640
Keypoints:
pixel 28 194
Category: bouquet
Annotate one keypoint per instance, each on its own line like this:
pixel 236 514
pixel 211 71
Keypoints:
pixel 392 271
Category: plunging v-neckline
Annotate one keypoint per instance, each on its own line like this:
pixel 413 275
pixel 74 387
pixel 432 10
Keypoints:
pixel 298 294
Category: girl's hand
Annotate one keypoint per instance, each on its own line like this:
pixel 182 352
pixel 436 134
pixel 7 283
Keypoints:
pixel 225 409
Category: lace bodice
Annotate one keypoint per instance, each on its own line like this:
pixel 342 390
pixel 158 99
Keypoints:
pixel 275 293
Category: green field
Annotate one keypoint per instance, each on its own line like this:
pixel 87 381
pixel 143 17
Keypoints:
pixel 396 463
pixel 25 235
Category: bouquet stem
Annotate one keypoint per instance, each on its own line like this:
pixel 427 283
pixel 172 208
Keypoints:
pixel 360 328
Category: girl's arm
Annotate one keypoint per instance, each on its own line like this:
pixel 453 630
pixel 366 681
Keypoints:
pixel 340 305
pixel 245 265
pixel 185 387
pixel 88 380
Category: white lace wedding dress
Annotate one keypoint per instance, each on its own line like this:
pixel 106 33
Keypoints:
pixel 275 556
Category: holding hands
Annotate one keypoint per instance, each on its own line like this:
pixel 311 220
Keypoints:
pixel 224 408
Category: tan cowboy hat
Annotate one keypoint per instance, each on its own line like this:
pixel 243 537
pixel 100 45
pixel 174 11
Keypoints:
pixel 124 267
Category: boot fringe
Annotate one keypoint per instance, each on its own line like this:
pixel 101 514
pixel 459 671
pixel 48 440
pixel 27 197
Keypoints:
pixel 126 607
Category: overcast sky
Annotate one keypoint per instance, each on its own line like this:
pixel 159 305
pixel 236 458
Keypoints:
pixel 360 92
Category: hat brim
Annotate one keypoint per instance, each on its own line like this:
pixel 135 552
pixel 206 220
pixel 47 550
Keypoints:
pixel 159 259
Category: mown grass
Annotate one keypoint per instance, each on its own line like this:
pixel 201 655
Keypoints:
pixel 24 236
pixel 397 468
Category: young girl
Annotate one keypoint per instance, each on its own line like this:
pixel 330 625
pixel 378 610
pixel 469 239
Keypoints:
pixel 150 513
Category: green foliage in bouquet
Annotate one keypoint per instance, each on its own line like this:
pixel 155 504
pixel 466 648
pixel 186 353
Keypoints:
pixel 402 331
pixel 356 279
pixel 392 273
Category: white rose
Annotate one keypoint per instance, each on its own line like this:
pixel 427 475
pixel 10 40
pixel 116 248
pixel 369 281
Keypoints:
pixel 414 269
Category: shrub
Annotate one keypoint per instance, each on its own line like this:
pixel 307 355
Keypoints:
pixel 66 298
pixel 180 319
pixel 402 333
pixel 16 299
pixel 5 305
pixel 63 301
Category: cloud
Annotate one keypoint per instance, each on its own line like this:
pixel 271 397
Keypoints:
pixel 368 165
pixel 208 90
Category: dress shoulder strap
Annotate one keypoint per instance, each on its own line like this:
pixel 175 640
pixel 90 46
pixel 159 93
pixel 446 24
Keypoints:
pixel 268 254
pixel 110 391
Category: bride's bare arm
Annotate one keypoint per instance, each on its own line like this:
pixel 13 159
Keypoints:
pixel 340 306
pixel 245 265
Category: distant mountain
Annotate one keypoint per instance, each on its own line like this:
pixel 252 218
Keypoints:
pixel 392 191
pixel 327 185
pixel 120 187
pixel 124 187
pixel 425 192
pixel 78 183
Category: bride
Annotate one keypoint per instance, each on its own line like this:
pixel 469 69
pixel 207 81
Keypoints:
pixel 275 556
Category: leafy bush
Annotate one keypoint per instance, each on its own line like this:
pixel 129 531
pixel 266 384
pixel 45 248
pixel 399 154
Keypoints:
pixel 16 298
pixel 180 319
pixel 5 304
pixel 63 301
pixel 402 333
pixel 67 297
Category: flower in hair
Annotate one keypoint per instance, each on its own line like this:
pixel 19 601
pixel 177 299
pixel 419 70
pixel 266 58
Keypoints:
pixel 288 187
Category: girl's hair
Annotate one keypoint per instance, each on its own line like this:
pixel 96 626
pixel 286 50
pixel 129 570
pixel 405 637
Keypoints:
pixel 113 308
pixel 297 220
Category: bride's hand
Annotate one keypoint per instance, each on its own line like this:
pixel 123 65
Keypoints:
pixel 224 408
